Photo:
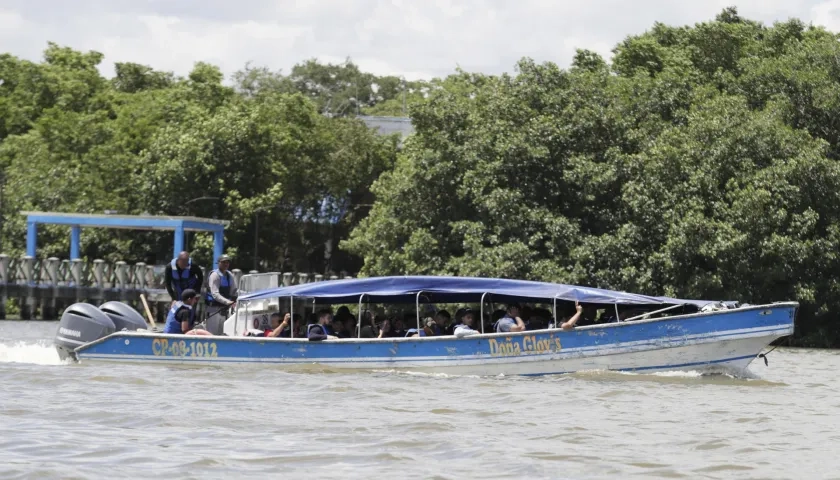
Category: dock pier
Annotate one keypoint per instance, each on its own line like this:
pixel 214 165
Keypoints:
pixel 43 288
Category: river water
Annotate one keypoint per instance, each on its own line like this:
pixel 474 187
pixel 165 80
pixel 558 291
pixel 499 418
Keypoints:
pixel 112 421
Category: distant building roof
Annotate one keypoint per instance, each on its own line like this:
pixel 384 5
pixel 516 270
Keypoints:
pixel 389 125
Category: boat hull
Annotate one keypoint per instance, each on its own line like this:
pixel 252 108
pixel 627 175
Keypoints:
pixel 725 340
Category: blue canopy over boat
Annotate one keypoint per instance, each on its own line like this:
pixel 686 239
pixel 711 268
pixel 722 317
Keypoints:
pixel 456 289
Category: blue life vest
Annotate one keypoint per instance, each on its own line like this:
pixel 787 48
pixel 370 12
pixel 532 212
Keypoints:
pixel 224 288
pixel 182 280
pixel 323 327
pixel 499 321
pixel 172 324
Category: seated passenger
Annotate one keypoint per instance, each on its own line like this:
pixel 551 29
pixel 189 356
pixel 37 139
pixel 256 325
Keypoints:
pixel 321 330
pixel 570 323
pixel 341 314
pixel 465 328
pixel 181 317
pixel 398 325
pixel 386 329
pixel 350 326
pixel 338 328
pixel 459 315
pixel 367 325
pixel 511 321
pixel 279 328
pixel 442 319
pixel 429 327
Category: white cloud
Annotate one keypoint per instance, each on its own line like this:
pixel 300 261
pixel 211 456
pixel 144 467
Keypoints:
pixel 401 37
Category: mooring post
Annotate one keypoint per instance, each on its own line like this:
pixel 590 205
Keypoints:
pixel 63 273
pixel 99 278
pixel 150 276
pixel 27 305
pixel 319 277
pixel 76 281
pixel 303 278
pixel 139 281
pixel 140 275
pixel 98 273
pixel 76 272
pixel 237 276
pixel 287 279
pixel 48 310
pixel 121 278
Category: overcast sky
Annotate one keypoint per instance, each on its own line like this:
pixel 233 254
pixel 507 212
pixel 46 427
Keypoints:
pixel 415 38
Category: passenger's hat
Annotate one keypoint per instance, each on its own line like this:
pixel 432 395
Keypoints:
pixel 188 294
pixel 224 258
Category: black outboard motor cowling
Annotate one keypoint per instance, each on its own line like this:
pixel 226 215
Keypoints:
pixel 81 323
pixel 123 316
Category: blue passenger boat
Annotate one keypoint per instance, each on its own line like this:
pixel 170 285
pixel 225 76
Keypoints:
pixel 632 332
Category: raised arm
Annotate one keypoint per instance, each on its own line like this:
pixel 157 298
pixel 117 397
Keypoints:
pixel 570 324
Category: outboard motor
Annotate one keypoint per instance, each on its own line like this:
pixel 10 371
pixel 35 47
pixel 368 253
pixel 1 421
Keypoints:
pixel 123 316
pixel 81 323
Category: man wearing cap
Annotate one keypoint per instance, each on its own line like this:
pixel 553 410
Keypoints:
pixel 220 296
pixel 181 317
pixel 511 321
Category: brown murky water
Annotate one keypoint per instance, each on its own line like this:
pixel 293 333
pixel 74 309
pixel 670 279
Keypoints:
pixel 113 421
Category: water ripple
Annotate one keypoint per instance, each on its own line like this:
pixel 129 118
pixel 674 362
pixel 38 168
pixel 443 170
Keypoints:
pixel 118 421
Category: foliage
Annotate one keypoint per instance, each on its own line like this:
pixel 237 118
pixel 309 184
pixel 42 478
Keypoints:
pixel 702 162
pixel 147 142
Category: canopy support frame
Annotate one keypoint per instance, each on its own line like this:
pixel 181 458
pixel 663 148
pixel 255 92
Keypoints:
pixel 361 315
pixel 481 311
pixel 417 307
pixel 653 312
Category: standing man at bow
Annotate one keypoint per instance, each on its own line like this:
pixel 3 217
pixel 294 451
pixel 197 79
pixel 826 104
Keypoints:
pixel 221 295
pixel 181 274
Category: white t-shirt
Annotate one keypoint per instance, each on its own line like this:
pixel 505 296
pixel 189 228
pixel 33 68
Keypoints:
pixel 463 330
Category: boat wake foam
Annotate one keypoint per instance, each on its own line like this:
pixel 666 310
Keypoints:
pixel 41 352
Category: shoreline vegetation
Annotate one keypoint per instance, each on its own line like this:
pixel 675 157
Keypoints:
pixel 700 161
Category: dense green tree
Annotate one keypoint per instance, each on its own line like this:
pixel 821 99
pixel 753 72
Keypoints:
pixel 147 142
pixel 702 163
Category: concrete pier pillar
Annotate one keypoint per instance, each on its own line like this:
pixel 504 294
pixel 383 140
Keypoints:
pixel 76 266
pixel 27 304
pixel 287 279
pixel 140 275
pixel 319 278
pixel 99 273
pixel 150 276
pixel 237 276
pixel 64 277
pixel 303 278
pixel 75 278
pixel 50 279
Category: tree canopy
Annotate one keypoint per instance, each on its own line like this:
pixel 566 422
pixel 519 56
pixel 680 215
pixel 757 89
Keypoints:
pixel 148 142
pixel 701 162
